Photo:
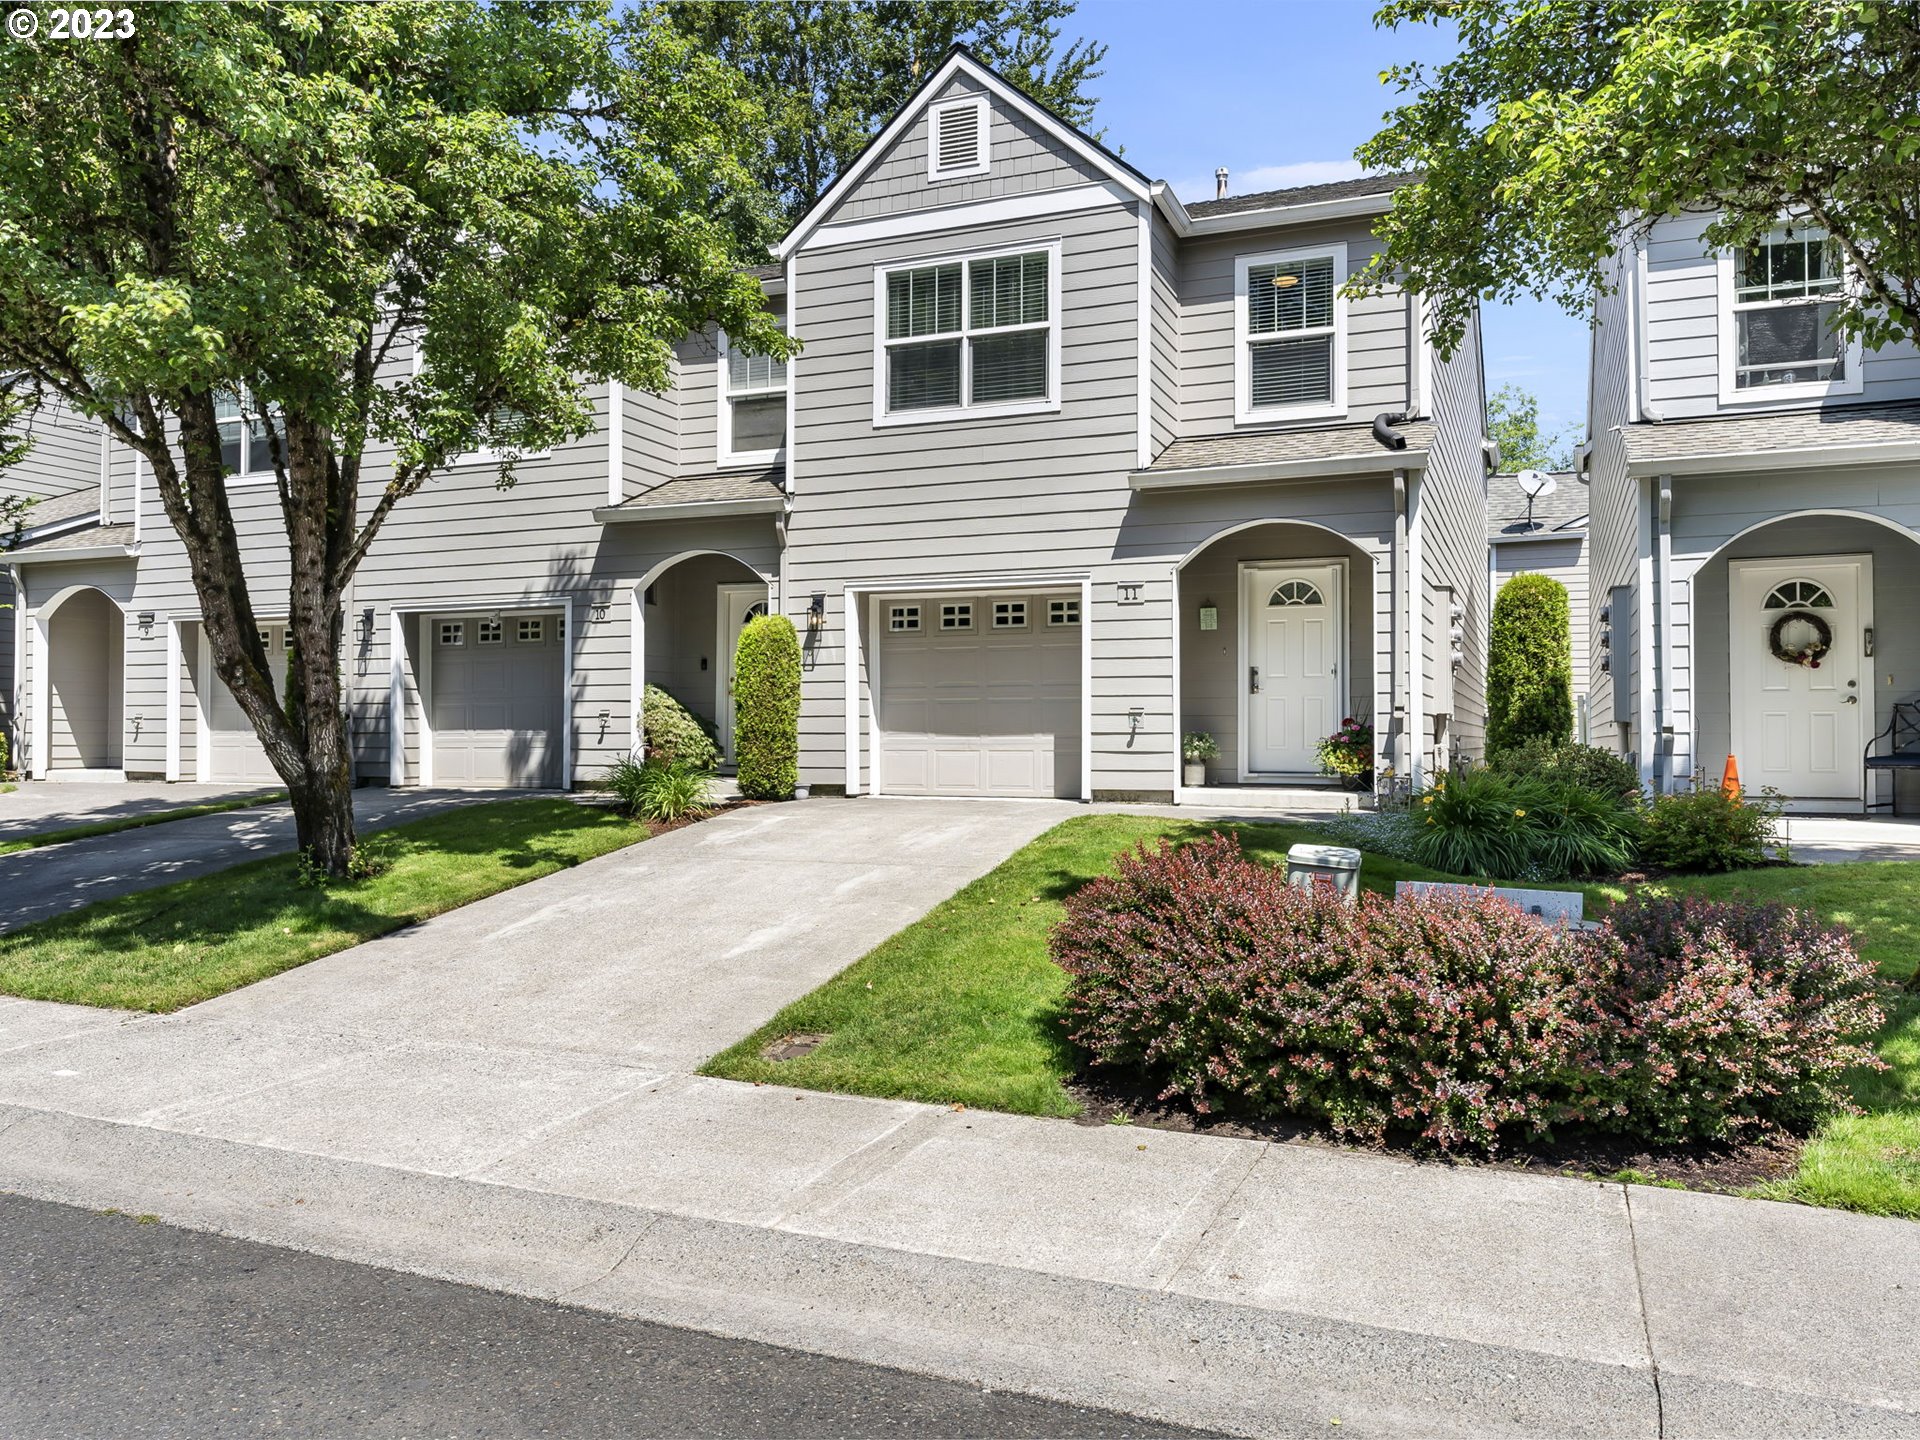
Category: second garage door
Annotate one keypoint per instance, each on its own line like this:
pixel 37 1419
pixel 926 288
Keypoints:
pixel 979 695
pixel 496 699
pixel 234 752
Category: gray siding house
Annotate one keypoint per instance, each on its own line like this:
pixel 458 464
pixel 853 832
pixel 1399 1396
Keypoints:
pixel 1755 496
pixel 1065 469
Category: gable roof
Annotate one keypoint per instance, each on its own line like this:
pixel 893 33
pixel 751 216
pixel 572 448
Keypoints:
pixel 1365 185
pixel 960 61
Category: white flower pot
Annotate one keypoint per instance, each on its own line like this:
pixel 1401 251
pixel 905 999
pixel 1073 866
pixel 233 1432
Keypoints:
pixel 1196 773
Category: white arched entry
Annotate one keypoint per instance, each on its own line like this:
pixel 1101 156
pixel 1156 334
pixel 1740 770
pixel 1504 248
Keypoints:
pixel 79 685
pixel 701 600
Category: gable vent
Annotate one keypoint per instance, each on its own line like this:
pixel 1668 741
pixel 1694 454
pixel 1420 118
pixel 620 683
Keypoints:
pixel 958 140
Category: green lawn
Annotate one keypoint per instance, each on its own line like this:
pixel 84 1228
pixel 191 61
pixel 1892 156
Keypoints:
pixel 135 822
pixel 961 1007
pixel 165 948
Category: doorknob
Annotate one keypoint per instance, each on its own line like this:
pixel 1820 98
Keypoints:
pixel 1853 699
pixel 1253 679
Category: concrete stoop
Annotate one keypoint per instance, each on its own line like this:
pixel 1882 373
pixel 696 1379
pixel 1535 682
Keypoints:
pixel 1171 1347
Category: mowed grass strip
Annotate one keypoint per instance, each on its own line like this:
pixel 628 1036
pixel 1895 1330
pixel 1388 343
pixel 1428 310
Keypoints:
pixel 962 1007
pixel 137 822
pixel 165 948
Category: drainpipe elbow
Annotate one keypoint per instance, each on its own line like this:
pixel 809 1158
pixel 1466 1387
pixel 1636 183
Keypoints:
pixel 1384 432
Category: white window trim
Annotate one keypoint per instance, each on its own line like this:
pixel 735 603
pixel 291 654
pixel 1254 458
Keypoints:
pixel 982 129
pixel 964 410
pixel 1243 410
pixel 1732 394
pixel 1024 613
pixel 967 628
pixel 247 477
pixel 724 453
pixel 908 618
pixel 1063 619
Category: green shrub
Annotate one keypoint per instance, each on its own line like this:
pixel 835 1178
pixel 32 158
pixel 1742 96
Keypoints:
pixel 674 732
pixel 1587 766
pixel 1529 665
pixel 766 708
pixel 656 789
pixel 1475 821
pixel 3 752
pixel 1704 829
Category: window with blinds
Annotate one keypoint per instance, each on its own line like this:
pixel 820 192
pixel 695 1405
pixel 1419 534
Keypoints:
pixel 957 138
pixel 1289 333
pixel 967 334
pixel 1787 291
pixel 753 407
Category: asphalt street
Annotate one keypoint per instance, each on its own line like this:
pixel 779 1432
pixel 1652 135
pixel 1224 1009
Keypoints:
pixel 121 1327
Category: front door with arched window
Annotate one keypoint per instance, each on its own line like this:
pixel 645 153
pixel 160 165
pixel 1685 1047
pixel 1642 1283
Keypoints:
pixel 1292 681
pixel 1802 697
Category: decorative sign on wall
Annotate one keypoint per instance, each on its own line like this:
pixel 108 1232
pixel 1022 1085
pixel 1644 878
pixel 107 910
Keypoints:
pixel 1127 592
pixel 1209 616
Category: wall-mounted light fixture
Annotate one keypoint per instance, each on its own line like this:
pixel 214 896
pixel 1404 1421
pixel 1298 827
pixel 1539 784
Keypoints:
pixel 1209 615
pixel 817 613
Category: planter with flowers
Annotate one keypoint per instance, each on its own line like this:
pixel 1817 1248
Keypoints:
pixel 1196 749
pixel 1348 753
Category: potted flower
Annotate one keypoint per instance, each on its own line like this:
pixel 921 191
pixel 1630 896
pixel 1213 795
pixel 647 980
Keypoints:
pixel 1196 749
pixel 1348 753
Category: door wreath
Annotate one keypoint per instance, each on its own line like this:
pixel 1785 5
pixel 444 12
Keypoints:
pixel 1800 637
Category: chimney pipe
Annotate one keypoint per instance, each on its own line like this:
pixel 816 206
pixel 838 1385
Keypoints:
pixel 1220 183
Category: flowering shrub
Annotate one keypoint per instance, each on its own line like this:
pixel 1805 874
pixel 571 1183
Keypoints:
pixel 1732 1019
pixel 1462 1024
pixel 1348 752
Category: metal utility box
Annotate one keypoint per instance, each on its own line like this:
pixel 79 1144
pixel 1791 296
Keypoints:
pixel 1336 864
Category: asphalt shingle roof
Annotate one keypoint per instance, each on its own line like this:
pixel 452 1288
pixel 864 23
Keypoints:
pixel 1305 194
pixel 1831 427
pixel 706 489
pixel 87 537
pixel 1563 510
pixel 55 508
pixel 1330 442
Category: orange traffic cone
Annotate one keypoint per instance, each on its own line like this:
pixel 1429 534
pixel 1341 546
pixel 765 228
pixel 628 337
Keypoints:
pixel 1730 779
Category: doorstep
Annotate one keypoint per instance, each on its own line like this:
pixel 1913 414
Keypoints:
pixel 85 777
pixel 1319 799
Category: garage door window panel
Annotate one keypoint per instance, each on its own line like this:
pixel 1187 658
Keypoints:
pixel 965 336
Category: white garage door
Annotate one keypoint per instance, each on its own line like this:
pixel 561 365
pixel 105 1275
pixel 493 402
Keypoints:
pixel 495 688
pixel 979 695
pixel 233 750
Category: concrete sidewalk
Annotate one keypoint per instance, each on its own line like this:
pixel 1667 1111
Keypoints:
pixel 500 1096
pixel 37 807
pixel 37 884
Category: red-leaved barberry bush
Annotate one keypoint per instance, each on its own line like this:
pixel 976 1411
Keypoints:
pixel 1461 1024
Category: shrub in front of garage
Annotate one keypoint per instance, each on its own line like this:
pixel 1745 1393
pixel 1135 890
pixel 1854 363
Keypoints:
pixel 674 732
pixel 766 708
pixel 1459 1025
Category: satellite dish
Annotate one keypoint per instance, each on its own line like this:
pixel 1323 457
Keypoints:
pixel 1535 483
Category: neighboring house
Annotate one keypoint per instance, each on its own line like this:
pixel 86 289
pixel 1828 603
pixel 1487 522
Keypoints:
pixel 1544 536
pixel 1755 485
pixel 1066 468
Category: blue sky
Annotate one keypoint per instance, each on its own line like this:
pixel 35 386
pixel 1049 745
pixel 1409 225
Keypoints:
pixel 1280 93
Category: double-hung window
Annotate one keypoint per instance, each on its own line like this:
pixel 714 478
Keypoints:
pixel 1778 334
pixel 753 407
pixel 1290 331
pixel 243 438
pixel 964 336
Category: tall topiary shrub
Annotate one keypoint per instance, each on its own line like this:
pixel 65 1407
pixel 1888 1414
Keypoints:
pixel 766 708
pixel 1529 665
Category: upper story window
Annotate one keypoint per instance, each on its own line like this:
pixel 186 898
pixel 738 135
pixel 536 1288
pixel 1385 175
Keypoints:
pixel 1289 332
pixel 243 438
pixel 753 407
pixel 1778 339
pixel 960 336
pixel 957 138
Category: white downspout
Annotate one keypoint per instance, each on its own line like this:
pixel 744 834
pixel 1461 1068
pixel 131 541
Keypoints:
pixel 1663 545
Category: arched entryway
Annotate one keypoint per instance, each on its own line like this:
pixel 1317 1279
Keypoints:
pixel 1277 646
pixel 83 640
pixel 689 612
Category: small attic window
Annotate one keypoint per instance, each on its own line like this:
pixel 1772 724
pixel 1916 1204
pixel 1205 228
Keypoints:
pixel 957 138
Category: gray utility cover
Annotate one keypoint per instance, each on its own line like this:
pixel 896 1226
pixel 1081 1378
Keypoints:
pixel 495 696
pixel 233 749
pixel 968 706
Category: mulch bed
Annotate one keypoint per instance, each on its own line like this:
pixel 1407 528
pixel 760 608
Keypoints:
pixel 1698 1167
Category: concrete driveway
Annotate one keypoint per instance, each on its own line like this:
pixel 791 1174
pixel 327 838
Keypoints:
pixel 665 953
pixel 36 807
pixel 38 884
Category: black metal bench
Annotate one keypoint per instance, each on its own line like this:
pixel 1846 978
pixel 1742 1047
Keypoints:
pixel 1902 737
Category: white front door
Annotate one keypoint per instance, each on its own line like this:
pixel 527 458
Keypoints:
pixel 1799 727
pixel 736 604
pixel 1294 691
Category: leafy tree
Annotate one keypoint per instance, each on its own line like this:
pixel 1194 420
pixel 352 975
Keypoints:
pixel 15 444
pixel 1513 421
pixel 829 74
pixel 1562 128
pixel 272 203
pixel 1529 665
